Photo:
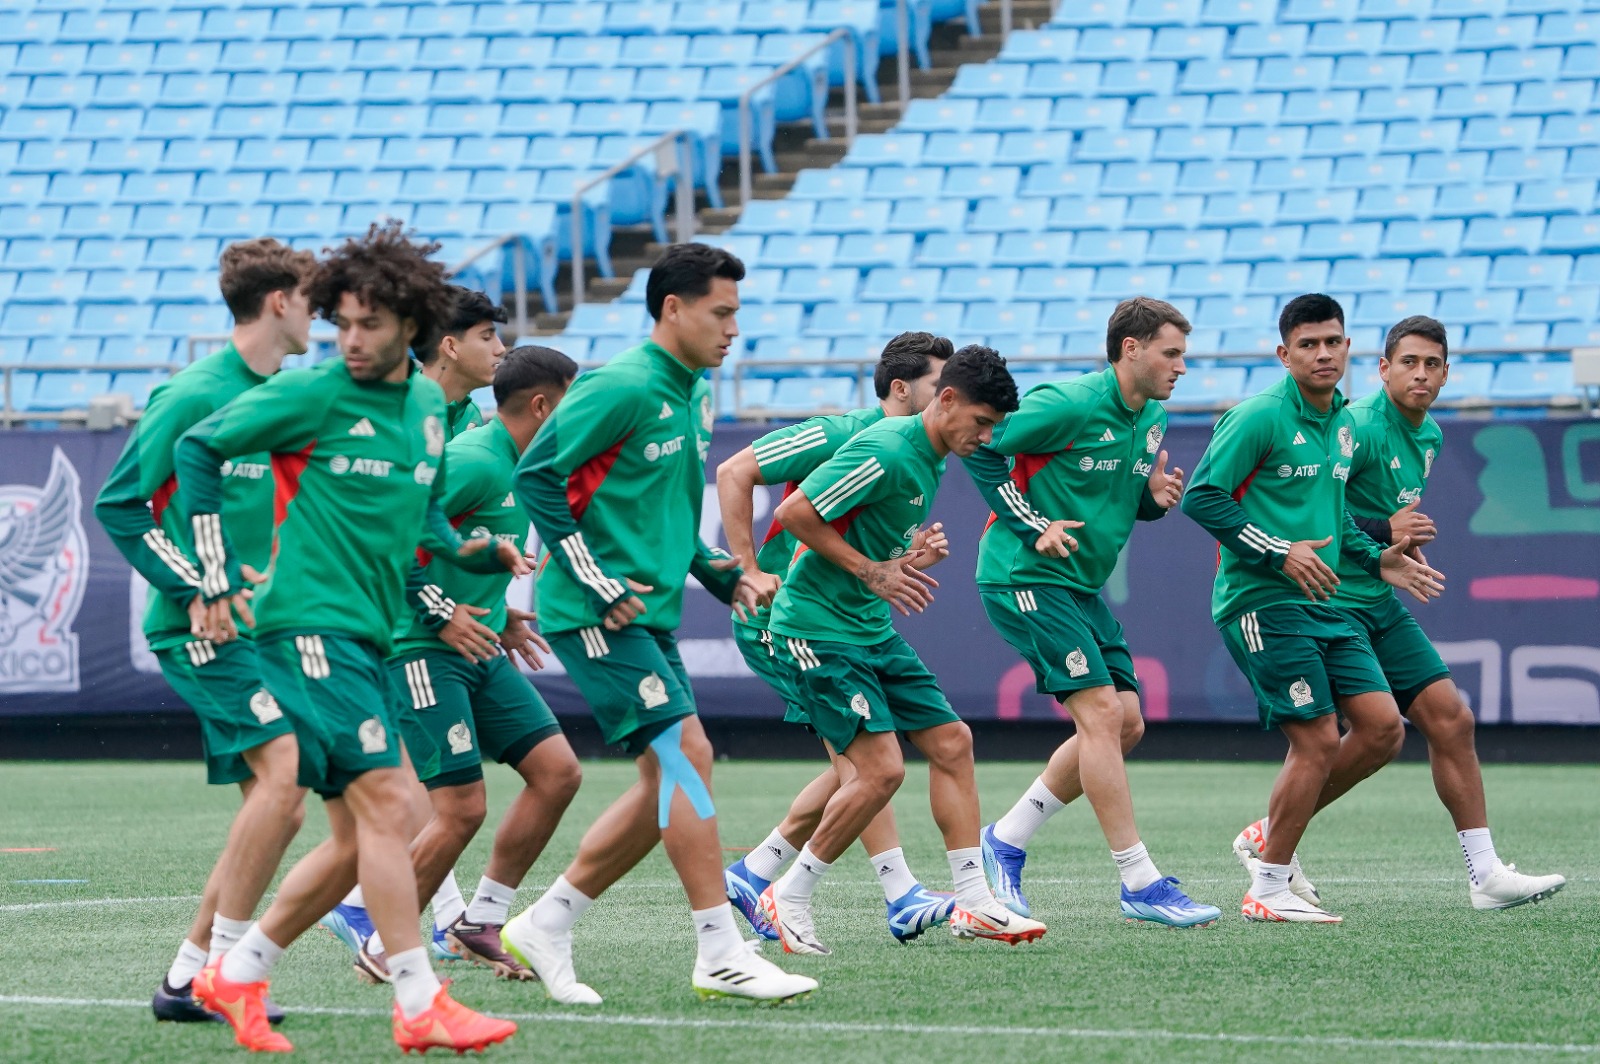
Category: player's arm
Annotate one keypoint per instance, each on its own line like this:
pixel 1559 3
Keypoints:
pixel 1046 422
pixel 720 573
pixel 439 537
pixel 1237 449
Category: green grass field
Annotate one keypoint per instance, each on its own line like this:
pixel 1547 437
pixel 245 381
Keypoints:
pixel 1414 974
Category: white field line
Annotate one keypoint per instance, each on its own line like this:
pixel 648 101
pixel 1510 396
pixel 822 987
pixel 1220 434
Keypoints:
pixel 746 1025
pixel 72 903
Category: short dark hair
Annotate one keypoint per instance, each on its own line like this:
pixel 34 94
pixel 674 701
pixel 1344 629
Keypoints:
pixel 1417 325
pixel 908 357
pixel 385 268
pixel 251 270
pixel 1308 310
pixel 980 375
pixel 468 308
pixel 528 367
pixel 1140 318
pixel 686 271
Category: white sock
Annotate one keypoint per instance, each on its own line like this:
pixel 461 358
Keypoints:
pixel 491 903
pixel 1135 866
pixel 252 959
pixel 448 904
pixel 186 965
pixel 1478 848
pixel 800 881
pixel 374 943
pixel 558 908
pixel 894 875
pixel 716 932
pixel 225 934
pixel 1269 879
pixel 1029 814
pixel 415 985
pixel 966 869
pixel 768 859
pixel 356 898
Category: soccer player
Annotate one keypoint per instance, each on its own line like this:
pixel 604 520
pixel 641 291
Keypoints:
pixel 1397 441
pixel 614 484
pixel 858 680
pixel 247 739
pixel 357 448
pixel 1089 447
pixel 465 355
pixel 903 380
pixel 1271 489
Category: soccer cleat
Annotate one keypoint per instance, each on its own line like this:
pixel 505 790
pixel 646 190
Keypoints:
pixel 747 974
pixel 991 920
pixel 243 1006
pixel 450 1025
pixel 548 956
pixel 179 1006
pixel 439 947
pixel 480 944
pixel 372 967
pixel 1002 866
pixel 1247 846
pixel 1285 907
pixel 349 924
pixel 793 924
pixel 744 890
pixel 1505 888
pixel 917 910
pixel 1163 903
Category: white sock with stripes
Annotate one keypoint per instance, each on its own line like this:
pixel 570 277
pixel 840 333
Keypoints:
pixel 448 904
pixel 1035 806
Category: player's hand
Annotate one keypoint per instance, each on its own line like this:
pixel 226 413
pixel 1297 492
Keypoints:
pixel 1399 568
pixel 930 546
pixel 747 597
pixel 1055 542
pixel 520 639
pixel 899 583
pixel 218 624
pixel 1166 485
pixel 766 586
pixel 626 611
pixel 514 561
pixel 466 636
pixel 1407 523
pixel 1305 568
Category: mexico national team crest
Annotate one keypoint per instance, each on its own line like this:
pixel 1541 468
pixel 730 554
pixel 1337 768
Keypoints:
pixel 1427 463
pixel 44 560
pixel 433 436
pixel 1347 441
pixel 1152 439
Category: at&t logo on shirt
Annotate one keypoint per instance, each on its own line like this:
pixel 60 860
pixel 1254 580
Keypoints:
pixel 653 450
pixel 1089 465
pixel 372 467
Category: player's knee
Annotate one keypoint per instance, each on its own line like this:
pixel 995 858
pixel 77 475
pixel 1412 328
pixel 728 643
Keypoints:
pixel 952 745
pixel 883 779
pixel 1132 728
pixel 1097 710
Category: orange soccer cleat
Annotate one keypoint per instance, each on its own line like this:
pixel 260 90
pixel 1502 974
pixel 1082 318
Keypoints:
pixel 449 1024
pixel 243 1005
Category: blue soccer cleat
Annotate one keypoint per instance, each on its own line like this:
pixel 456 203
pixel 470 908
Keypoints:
pixel 917 910
pixel 1002 866
pixel 349 924
pixel 744 890
pixel 1163 903
pixel 440 948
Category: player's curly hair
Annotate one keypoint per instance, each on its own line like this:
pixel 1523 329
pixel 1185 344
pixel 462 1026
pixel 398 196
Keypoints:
pixel 981 376
pixel 385 268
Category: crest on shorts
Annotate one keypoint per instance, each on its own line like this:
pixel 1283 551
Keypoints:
pixel 1347 441
pixel 1077 664
pixel 44 564
pixel 374 740
pixel 265 707
pixel 1300 693
pixel 433 435
pixel 859 705
pixel 1427 463
pixel 460 737
pixel 1152 439
pixel 653 691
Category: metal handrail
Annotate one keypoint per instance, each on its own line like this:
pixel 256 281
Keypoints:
pixel 685 197
pixel 902 53
pixel 746 132
pixel 519 272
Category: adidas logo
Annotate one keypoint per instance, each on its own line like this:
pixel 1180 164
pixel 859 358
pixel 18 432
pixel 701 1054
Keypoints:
pixel 708 926
pixel 776 852
pixel 1299 437
pixel 1108 437
pixel 1394 463
pixel 363 428
pixel 511 499
pixel 969 866
pixel 565 903
pixel 885 870
pixel 915 502
pixel 666 412
pixel 1037 804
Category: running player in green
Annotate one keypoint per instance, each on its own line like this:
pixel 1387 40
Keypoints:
pixel 904 381
pixel 1397 441
pixel 859 682
pixel 464 356
pixel 247 739
pixel 1090 447
pixel 1271 489
pixel 357 448
pixel 614 483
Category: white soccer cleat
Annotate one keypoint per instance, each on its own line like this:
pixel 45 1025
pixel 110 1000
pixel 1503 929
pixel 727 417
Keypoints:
pixel 747 974
pixel 1247 846
pixel 1505 888
pixel 549 956
pixel 1285 907
pixel 995 922
pixel 794 925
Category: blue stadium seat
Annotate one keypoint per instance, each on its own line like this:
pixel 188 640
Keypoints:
pixel 1180 246
pixel 887 285
pixel 784 250
pixel 1575 334
pixel 843 217
pixel 1229 312
pixel 1050 283
pixel 941 319
pixel 1259 244
pixel 1085 317
pixel 64 286
pixel 1229 209
pixel 957 249
pixel 864 250
pixel 1267 39
pixel 1063 79
pixel 1188 43
pixel 1515 338
pixel 1216 177
pixel 1347 39
pixel 1573 234
pixel 1493 235
pixel 1572 305
pixel 989 80
pixel 1381 310
pixel 1467 201
pixel 1167 111
pixel 1290 175
pixel 1478 308
pixel 810 285
pixel 776 216
pixel 66 391
pixel 1091 13
pixel 857 319
pixel 808 395
pixel 1263 377
pixel 1161 212
pixel 1441 275
pixel 805 356
pixel 1012 216
pixel 1210 386
pixel 972 284
pixel 1542 381
pixel 1249 109
pixel 1275 279
pixel 1408 37
pixel 1530 271
pixel 1001 319
pixel 1091 248
pixel 1457 68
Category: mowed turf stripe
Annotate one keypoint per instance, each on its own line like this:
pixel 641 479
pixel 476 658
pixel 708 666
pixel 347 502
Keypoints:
pixel 32 906
pixel 833 1027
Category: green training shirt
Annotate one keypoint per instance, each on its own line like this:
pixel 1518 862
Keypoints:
pixel 1274 473
pixel 136 504
pixel 1077 452
pixel 876 492
pixel 787 456
pixel 614 483
pixel 359 467
pixel 463 414
pixel 1393 460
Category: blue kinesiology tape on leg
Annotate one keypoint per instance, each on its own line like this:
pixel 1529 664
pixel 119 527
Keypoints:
pixel 678 772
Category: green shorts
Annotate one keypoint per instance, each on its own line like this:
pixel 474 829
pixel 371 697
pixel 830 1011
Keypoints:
pixel 845 688
pixel 222 684
pixel 1299 657
pixel 1069 638
pixel 761 653
pixel 1406 655
pixel 471 710
pixel 633 680
pixel 336 692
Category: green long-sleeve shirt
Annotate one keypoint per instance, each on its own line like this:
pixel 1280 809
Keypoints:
pixel 1391 468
